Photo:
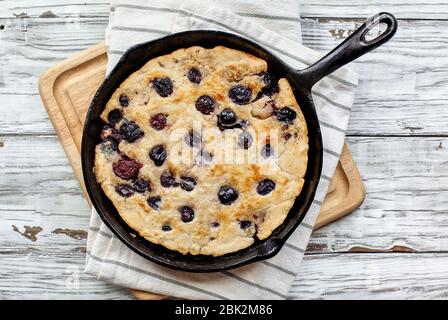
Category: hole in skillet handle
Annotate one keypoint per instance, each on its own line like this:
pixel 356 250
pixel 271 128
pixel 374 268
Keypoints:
pixel 377 20
pixel 350 49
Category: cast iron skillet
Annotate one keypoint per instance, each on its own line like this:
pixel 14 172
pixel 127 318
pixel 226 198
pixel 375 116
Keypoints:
pixel 302 81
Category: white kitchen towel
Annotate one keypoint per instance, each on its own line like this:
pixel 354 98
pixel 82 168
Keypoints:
pixel 275 25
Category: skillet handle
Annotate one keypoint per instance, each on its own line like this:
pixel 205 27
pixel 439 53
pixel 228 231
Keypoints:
pixel 352 48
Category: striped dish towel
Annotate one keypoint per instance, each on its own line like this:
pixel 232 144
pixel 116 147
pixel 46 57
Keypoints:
pixel 275 25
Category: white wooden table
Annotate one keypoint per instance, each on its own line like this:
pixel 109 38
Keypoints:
pixel 394 246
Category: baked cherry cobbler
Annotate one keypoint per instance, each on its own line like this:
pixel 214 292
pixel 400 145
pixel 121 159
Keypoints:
pixel 203 150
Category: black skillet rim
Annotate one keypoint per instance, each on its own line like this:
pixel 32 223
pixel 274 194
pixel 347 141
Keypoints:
pixel 260 250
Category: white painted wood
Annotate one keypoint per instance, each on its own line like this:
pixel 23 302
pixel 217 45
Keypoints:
pixel 35 175
pixel 406 203
pixel 428 9
pixel 27 49
pixel 38 189
pixel 373 276
pixel 394 98
pixel 36 274
pixel 402 84
pixel 59 8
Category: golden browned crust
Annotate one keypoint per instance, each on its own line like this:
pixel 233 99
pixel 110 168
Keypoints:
pixel 221 68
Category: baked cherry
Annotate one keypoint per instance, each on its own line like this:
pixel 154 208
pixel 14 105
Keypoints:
pixel 227 195
pixel 124 100
pixel 115 116
pixel 126 168
pixel 167 179
pixel 245 140
pixel 194 75
pixel 240 94
pixel 267 151
pixel 131 131
pixel 193 139
pixel 158 155
pixel 154 202
pixel 158 121
pixel 286 115
pixel 187 183
pixel 205 104
pixel 124 190
pixel 186 214
pixel 227 118
pixel 142 186
pixel 163 86
pixel 270 84
pixel 244 224
pixel 265 186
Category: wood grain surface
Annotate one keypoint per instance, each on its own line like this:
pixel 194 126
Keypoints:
pixel 389 100
pixel 394 246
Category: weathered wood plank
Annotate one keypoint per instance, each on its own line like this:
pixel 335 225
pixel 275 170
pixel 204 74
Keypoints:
pixel 26 52
pixel 402 84
pixel 428 9
pixel 35 175
pixel 54 8
pixel 42 275
pixel 373 276
pixel 32 196
pixel 406 191
pixel 406 201
pixel 394 98
pixel 26 115
pixel 432 9
pixel 57 232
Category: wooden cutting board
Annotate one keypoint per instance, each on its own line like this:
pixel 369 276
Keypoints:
pixel 68 87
